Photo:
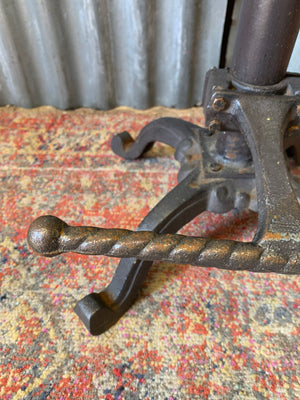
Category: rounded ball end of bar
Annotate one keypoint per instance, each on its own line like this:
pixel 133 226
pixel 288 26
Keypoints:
pixel 44 235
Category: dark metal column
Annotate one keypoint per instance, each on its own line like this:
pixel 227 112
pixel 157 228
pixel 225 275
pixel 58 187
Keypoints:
pixel 266 35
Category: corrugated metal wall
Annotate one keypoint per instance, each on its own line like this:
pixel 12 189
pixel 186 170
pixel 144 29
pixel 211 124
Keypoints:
pixel 106 53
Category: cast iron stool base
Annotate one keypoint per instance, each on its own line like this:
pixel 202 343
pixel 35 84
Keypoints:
pixel 239 161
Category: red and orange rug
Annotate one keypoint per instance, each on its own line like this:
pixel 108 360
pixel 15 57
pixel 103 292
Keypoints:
pixel 193 333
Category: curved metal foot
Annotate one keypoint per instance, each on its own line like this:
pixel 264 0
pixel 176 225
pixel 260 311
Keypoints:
pixel 99 311
pixel 172 131
pixel 182 135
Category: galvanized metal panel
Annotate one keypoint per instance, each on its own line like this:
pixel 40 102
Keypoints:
pixel 106 53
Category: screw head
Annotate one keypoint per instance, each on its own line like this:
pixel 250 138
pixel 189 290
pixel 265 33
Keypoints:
pixel 219 104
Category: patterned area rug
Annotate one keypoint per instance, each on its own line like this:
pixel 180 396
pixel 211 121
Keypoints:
pixel 193 333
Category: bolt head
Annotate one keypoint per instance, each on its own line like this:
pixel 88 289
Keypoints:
pixel 219 104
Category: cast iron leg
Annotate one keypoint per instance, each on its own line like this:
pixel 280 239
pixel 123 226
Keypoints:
pixel 99 311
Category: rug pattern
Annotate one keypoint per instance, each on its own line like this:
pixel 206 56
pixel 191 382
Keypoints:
pixel 193 333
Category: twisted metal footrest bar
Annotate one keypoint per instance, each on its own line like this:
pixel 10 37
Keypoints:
pixel 50 236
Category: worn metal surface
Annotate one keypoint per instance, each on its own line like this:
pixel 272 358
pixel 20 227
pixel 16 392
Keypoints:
pixel 264 119
pixel 107 53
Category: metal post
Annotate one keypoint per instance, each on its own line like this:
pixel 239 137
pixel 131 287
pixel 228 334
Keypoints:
pixel 266 35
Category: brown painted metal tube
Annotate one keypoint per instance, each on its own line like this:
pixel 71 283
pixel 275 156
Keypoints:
pixel 267 31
